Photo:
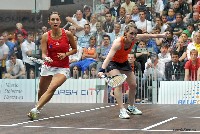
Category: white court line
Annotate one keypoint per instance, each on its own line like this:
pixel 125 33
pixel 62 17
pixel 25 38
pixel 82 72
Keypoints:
pixel 160 123
pixel 34 126
pixel 195 117
pixel 8 125
pixel 57 116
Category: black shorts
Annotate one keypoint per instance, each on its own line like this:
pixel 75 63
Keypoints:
pixel 119 66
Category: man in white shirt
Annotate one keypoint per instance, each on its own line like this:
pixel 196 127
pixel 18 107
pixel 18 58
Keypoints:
pixel 78 22
pixel 4 50
pixel 154 68
pixel 15 68
pixel 164 55
pixel 143 24
pixel 28 48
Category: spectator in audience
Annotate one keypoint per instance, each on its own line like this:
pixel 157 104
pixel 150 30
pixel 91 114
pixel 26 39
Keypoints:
pixel 195 44
pixel 194 20
pixel 114 10
pixel 15 68
pixel 20 29
pixel 44 29
pixel 121 18
pixel 93 23
pixel 4 51
pixel 189 30
pixel 99 33
pixel 87 13
pixel 18 50
pixel 88 57
pixel 177 8
pixel 78 22
pixel 164 55
pixel 143 24
pixel 108 25
pixel 77 56
pixel 171 18
pixel 186 41
pixel 32 73
pixel 159 23
pixel 75 73
pixel 142 54
pixel 168 6
pixel 198 25
pixel 170 39
pixel 174 69
pixel 116 32
pixel 128 18
pixel 191 66
pixel 184 6
pixel 72 29
pixel 159 6
pixel 103 50
pixel 154 68
pixel 179 25
pixel 28 49
pixel 83 41
pixel 100 10
pixel 93 72
pixel 136 66
pixel 135 14
pixel 195 8
pixel 128 5
pixel 181 50
pixel 10 44
pixel 142 5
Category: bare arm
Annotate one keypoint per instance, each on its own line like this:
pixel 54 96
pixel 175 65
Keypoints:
pixel 145 36
pixel 187 75
pixel 72 44
pixel 44 45
pixel 78 28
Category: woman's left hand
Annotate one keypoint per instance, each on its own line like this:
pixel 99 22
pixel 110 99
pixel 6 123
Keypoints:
pixel 61 56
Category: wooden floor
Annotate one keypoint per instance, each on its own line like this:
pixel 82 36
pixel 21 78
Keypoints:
pixel 98 119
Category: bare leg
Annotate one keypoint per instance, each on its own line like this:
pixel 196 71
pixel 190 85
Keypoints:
pixel 44 84
pixel 118 90
pixel 118 96
pixel 131 80
pixel 56 81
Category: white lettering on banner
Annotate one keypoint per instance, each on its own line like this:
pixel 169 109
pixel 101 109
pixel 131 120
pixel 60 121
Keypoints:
pixel 17 90
pixel 79 91
pixel 179 92
pixel 72 91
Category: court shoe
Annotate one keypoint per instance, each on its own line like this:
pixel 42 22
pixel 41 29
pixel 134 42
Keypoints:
pixel 133 110
pixel 123 114
pixel 33 114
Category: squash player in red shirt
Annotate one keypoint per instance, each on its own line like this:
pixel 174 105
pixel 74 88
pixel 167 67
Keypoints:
pixel 116 63
pixel 55 46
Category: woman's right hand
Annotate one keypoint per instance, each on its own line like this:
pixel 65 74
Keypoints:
pixel 48 59
pixel 100 74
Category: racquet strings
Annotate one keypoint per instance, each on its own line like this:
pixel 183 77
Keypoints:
pixel 117 80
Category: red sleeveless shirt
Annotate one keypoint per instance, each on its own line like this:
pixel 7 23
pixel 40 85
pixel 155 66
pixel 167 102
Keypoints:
pixel 58 46
pixel 122 55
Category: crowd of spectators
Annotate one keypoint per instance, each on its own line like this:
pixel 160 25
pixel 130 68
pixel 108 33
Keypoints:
pixel 175 57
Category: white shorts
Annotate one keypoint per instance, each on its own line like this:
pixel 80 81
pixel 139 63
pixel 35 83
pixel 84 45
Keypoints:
pixel 46 71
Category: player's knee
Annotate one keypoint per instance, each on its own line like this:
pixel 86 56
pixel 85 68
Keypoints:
pixel 132 85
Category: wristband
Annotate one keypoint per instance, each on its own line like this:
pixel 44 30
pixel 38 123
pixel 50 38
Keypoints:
pixel 102 70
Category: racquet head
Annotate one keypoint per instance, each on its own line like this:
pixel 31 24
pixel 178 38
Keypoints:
pixel 116 80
